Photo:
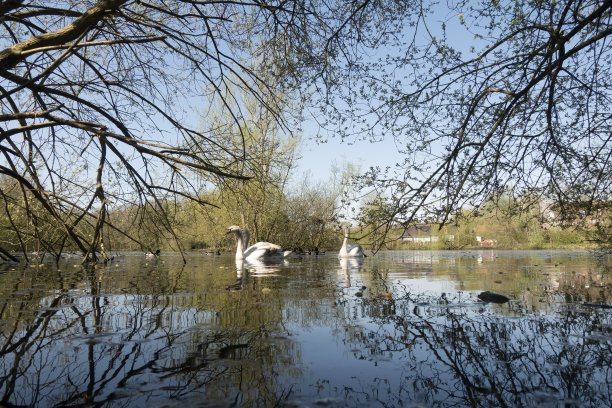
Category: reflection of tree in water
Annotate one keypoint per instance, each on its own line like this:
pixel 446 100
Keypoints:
pixel 85 349
pixel 106 336
pixel 469 356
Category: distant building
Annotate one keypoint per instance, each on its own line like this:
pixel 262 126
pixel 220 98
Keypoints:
pixel 422 233
pixel 586 214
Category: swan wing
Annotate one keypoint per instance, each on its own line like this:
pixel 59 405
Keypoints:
pixel 263 249
pixel 255 251
pixel 273 248
pixel 355 250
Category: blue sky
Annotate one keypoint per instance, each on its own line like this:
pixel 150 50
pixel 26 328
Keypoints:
pixel 318 158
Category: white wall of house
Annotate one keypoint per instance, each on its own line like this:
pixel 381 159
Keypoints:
pixel 428 239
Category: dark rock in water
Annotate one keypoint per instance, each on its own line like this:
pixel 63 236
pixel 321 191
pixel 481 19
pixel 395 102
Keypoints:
pixel 492 297
pixel 598 305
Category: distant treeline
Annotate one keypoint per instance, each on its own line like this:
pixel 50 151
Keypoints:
pixel 305 216
pixel 504 224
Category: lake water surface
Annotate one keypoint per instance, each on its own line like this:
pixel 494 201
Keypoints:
pixel 398 329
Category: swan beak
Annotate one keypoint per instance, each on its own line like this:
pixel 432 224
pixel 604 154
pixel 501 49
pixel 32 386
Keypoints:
pixel 233 228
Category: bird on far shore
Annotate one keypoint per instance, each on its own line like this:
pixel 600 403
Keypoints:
pixel 152 255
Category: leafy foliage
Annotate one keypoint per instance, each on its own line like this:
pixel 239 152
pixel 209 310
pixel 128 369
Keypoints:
pixel 97 103
pixel 482 97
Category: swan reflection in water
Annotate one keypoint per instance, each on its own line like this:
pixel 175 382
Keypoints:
pixel 257 268
pixel 348 266
pixel 177 344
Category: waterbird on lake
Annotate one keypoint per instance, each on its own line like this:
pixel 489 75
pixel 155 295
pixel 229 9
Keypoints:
pixel 350 251
pixel 259 250
pixel 150 254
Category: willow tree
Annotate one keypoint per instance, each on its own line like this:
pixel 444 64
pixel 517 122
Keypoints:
pixel 259 202
pixel 482 97
pixel 97 98
pixel 97 102
pixel 270 156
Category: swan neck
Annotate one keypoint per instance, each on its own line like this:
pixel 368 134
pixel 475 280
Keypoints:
pixel 242 242
pixel 239 246
pixel 344 243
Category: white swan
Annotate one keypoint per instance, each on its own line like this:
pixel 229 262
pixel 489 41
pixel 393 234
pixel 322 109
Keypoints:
pixel 350 251
pixel 259 250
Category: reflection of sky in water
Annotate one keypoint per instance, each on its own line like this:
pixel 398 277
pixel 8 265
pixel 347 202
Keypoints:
pixel 316 330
